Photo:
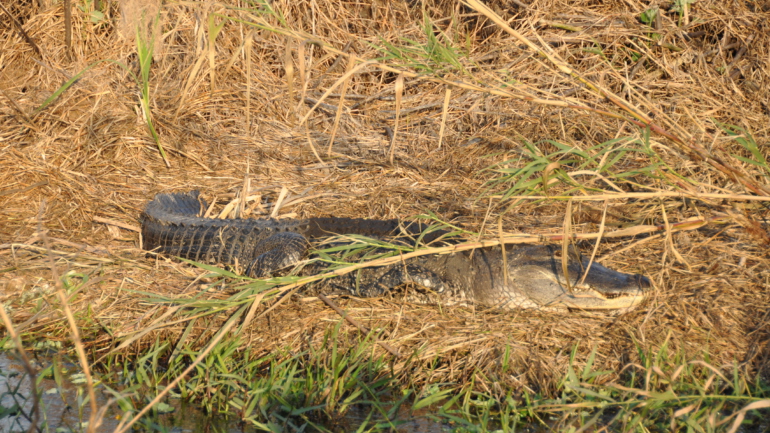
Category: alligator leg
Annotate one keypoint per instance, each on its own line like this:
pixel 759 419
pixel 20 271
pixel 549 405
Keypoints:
pixel 278 251
pixel 370 283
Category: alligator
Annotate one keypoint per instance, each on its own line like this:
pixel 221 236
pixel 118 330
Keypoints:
pixel 524 276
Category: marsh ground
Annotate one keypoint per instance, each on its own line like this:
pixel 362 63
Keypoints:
pixel 653 118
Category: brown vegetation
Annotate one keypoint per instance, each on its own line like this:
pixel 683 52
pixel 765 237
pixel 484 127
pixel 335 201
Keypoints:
pixel 250 103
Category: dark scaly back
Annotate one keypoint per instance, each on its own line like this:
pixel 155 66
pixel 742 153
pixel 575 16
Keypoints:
pixel 171 224
pixel 321 227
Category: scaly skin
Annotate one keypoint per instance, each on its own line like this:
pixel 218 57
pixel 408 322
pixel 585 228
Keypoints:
pixel 171 225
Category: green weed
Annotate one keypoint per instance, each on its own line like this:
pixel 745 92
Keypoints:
pixel 746 140
pixel 430 56
pixel 534 171
pixel 145 48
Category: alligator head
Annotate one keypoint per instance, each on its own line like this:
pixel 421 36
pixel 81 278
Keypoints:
pixel 538 273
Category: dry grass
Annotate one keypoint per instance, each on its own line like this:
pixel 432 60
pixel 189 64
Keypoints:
pixel 234 109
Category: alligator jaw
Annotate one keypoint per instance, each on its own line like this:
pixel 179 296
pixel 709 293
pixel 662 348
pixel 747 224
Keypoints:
pixel 621 297
pixel 539 274
pixel 593 300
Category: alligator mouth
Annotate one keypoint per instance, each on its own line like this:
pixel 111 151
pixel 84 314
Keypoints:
pixel 626 298
pixel 603 289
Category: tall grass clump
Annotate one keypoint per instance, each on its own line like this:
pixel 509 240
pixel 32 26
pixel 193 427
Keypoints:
pixel 141 18
pixel 602 167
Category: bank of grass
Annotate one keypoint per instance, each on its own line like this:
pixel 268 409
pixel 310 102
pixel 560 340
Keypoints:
pixel 650 122
pixel 336 387
pixel 317 386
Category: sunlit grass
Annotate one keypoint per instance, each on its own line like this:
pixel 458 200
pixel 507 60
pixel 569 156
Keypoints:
pixel 608 166
pixel 303 388
pixel 308 387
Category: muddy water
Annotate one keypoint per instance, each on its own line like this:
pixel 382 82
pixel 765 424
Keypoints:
pixel 59 407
